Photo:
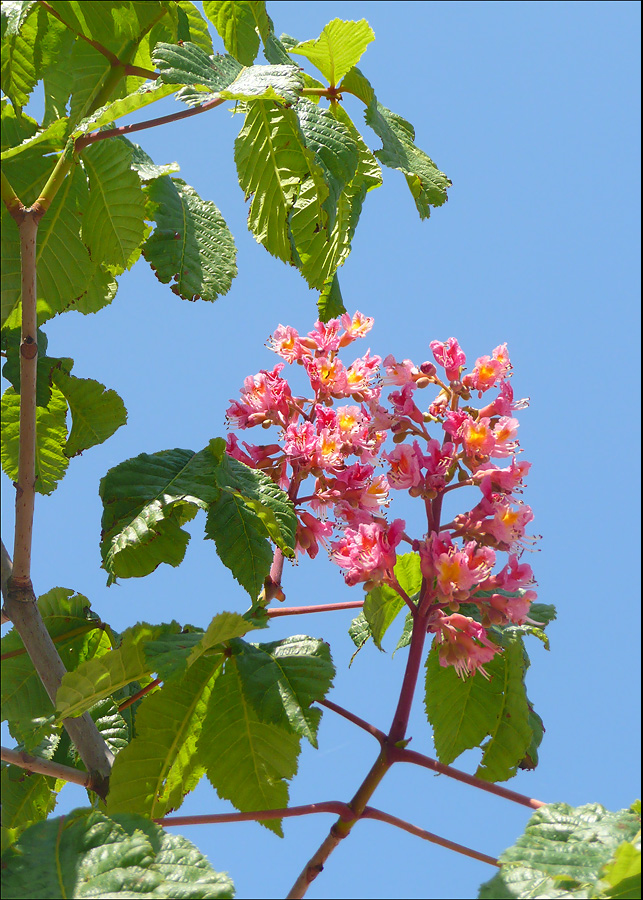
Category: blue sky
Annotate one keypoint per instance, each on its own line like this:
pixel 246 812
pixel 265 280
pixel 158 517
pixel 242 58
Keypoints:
pixel 532 111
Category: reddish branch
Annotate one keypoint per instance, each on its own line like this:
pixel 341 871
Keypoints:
pixel 94 136
pixel 137 696
pixel 321 607
pixel 343 810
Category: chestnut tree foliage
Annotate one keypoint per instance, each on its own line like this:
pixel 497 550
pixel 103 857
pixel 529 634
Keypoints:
pixel 140 717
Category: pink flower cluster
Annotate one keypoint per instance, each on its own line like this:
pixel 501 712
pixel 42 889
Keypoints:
pixel 337 435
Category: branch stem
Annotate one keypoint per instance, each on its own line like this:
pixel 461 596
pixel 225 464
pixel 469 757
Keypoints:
pixel 94 136
pixel 322 607
pixel 370 813
pixel 46 767
pixel 361 723
pixel 401 754
pixel 330 806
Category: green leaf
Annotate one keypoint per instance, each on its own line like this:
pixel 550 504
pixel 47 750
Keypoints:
pixel 338 48
pixel 11 369
pixel 336 152
pixel 408 573
pixel 189 64
pixel 161 764
pixel 283 678
pixel 237 23
pixel 144 165
pixel 247 761
pixel 22 26
pixel 100 677
pixel 26 798
pixel 321 252
pixel 561 853
pixel 623 871
pixel 95 411
pixel 113 223
pixel 147 93
pixel 99 23
pixel 51 439
pixel 463 712
pixel 273 162
pixel 407 633
pixel 330 304
pixel 359 632
pixel 146 499
pixel 282 83
pixel 78 637
pixel 381 606
pixel 241 541
pixel 427 184
pixel 88 854
pixel 191 243
pixel 52 137
pixel 169 654
pixel 356 83
pixel 264 497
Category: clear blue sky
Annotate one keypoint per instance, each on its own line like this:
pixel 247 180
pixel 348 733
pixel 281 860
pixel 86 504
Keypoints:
pixel 531 108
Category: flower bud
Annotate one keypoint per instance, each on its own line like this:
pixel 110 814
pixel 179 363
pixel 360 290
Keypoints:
pixel 428 369
pixel 422 382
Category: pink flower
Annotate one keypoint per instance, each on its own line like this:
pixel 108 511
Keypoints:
pixel 489 476
pixel 504 431
pixel 399 373
pixel 356 327
pixel 509 523
pixel 405 462
pixel 504 403
pixel 327 376
pixel 361 374
pixel 450 356
pixel 368 553
pixel 310 533
pixel 459 570
pixel 486 373
pixel 477 437
pixel 404 405
pixel 285 341
pixel 264 398
pixel 463 644
pixel 301 442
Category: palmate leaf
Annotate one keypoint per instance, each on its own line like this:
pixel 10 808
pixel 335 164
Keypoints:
pixel 88 854
pixel 190 65
pixel 272 163
pixel 146 499
pixel 241 541
pixel 51 439
pixel 114 220
pixel 330 304
pixel 336 152
pixel 237 24
pixel 381 606
pixel 26 798
pixel 21 25
pixel 320 253
pixel 144 165
pixel 283 678
pixel 248 762
pixel 191 243
pixel 562 853
pixel 427 184
pixel 338 48
pixel 262 495
pixel 463 712
pixel 282 83
pixel 161 764
pixel 100 677
pixel 24 699
pixel 95 411
pixel 50 139
pixel 112 26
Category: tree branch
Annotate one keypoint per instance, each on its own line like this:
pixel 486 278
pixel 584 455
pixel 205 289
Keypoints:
pixel 370 813
pixel 94 136
pixel 401 754
pixel 361 723
pixel 322 607
pixel 330 806
pixel 47 767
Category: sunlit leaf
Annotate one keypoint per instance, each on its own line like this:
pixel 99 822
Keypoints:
pixel 338 48
pixel 51 439
pixel 237 23
pixel 561 853
pixel 88 854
